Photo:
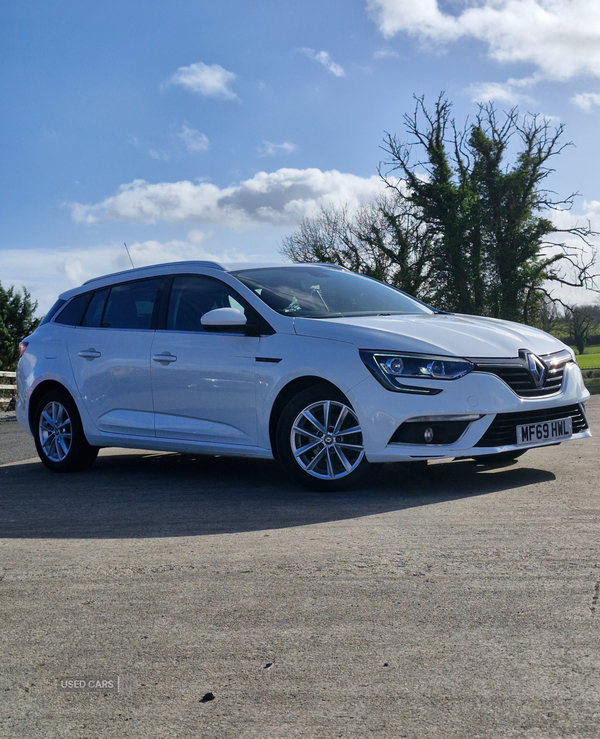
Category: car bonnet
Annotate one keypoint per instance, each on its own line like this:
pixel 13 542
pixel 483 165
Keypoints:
pixel 447 334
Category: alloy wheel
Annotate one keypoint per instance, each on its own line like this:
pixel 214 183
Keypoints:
pixel 326 440
pixel 55 431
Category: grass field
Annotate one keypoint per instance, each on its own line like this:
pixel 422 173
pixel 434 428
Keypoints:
pixel 588 360
pixel 591 358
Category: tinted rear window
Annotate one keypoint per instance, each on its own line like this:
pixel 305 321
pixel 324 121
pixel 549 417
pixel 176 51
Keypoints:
pixel 131 305
pixel 73 311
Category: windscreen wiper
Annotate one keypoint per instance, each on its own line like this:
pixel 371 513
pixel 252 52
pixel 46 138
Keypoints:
pixel 317 289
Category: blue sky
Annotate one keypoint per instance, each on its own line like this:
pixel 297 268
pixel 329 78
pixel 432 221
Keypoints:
pixel 200 129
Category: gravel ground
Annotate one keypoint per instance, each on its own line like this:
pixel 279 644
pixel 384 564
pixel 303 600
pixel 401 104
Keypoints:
pixel 453 600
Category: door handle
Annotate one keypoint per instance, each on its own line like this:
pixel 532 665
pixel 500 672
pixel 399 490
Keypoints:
pixel 164 358
pixel 89 354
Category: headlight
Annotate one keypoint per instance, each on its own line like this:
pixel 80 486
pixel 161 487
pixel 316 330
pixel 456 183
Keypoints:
pixel 392 368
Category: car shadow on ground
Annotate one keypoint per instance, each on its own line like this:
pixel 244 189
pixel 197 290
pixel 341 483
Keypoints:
pixel 147 495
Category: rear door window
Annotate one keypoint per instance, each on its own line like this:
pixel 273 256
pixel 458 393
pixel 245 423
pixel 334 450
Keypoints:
pixel 131 305
pixel 93 314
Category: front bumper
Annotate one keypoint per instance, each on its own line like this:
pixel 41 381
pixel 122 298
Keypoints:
pixel 382 412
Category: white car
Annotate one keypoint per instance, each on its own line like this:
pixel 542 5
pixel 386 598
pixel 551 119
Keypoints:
pixel 322 368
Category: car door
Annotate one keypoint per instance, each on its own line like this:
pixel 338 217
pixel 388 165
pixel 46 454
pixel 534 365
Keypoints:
pixel 203 381
pixel 110 356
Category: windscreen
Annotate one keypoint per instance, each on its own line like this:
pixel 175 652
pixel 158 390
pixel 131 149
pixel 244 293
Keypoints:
pixel 323 292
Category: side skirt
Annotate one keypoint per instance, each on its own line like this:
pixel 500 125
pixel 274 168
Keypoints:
pixel 178 445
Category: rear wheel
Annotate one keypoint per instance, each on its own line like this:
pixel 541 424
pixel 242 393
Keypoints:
pixel 58 434
pixel 320 442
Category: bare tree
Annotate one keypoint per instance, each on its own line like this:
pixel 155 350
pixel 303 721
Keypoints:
pixel 385 239
pixel 549 318
pixel 580 319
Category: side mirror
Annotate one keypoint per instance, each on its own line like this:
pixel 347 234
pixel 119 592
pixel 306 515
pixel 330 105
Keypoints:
pixel 223 318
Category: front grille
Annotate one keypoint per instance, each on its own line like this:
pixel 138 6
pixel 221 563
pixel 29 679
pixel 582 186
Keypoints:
pixel 515 373
pixel 503 429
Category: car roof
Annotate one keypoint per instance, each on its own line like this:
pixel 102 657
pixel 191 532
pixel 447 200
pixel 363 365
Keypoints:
pixel 157 270
pixel 135 271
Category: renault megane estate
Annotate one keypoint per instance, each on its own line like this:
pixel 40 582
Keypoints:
pixel 311 364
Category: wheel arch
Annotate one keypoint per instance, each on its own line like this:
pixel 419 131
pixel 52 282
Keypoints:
pixel 41 390
pixel 286 394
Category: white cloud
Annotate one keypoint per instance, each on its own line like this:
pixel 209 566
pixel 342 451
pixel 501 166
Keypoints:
pixel 325 59
pixel 47 272
pixel 268 149
pixel 566 219
pixel 209 81
pixel 509 92
pixel 155 252
pixel 585 100
pixel 560 37
pixel 194 141
pixel 422 17
pixel 269 198
pixel 160 155
pixel 592 212
pixel 385 54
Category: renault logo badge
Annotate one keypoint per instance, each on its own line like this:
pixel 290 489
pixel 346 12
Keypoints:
pixel 537 368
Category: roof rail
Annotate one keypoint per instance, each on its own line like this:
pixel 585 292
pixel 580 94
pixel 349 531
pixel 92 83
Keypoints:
pixel 211 265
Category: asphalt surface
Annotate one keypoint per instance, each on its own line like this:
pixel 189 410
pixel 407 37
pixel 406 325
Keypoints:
pixel 453 600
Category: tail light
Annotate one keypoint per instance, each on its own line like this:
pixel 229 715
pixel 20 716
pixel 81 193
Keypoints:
pixel 22 346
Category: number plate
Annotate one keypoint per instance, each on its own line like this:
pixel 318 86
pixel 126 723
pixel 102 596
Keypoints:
pixel 535 433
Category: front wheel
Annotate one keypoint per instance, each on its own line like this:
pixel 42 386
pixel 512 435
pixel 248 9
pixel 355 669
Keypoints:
pixel 58 434
pixel 320 441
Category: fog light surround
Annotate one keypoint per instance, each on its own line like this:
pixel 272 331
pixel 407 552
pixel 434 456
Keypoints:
pixel 433 430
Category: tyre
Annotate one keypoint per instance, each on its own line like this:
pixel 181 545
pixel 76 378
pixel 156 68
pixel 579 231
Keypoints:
pixel 320 442
pixel 501 457
pixel 58 434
